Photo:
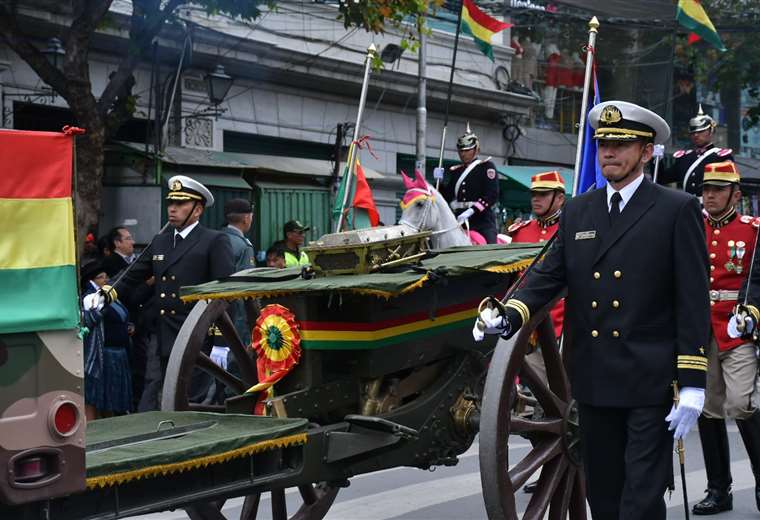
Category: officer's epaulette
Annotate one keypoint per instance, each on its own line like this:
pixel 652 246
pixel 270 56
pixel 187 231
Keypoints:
pixel 680 153
pixel 724 152
pixel 746 219
pixel 517 225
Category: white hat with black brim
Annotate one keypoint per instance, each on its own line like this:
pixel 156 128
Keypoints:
pixel 183 188
pixel 623 121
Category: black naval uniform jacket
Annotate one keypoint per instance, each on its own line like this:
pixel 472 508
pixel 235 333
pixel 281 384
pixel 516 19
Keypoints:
pixel 683 159
pixel 204 255
pixel 637 308
pixel 481 186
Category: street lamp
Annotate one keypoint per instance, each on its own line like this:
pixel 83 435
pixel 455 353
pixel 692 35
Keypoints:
pixel 55 53
pixel 218 84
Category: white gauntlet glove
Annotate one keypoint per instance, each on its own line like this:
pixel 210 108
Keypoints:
pixel 465 215
pixel 683 418
pixel 219 356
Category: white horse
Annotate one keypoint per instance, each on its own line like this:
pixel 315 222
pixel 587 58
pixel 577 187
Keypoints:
pixel 425 209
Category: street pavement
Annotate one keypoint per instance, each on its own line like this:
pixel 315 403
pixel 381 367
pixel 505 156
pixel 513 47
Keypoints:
pixel 453 493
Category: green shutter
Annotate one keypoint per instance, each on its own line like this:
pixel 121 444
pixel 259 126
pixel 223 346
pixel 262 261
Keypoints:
pixel 276 205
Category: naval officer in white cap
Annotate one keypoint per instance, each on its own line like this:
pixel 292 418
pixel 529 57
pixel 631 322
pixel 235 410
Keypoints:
pixel 186 254
pixel 633 260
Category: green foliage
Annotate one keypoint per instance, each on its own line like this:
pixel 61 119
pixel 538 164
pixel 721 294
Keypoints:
pixel 376 15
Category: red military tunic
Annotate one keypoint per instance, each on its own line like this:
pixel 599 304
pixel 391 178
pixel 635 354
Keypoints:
pixel 534 231
pixel 730 242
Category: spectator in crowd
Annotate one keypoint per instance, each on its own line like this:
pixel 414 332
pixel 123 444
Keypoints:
pixel 291 244
pixel 122 245
pixel 275 256
pixel 239 215
pixel 104 247
pixel 108 380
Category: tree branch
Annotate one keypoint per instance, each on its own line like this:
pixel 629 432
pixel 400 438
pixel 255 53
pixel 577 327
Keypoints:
pixel 142 31
pixel 11 34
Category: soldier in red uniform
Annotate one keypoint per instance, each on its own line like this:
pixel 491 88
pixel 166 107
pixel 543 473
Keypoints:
pixel 732 365
pixel 547 196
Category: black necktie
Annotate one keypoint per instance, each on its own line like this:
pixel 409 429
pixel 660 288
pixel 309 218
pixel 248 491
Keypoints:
pixel 177 240
pixel 615 207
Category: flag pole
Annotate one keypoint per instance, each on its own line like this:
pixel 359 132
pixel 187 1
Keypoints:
pixel 592 32
pixel 371 51
pixel 448 94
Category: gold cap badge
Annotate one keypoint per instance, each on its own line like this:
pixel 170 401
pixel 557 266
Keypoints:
pixel 610 115
pixel 176 186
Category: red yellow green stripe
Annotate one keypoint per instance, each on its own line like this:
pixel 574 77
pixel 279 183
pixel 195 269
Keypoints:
pixel 35 234
pixel 36 165
pixel 37 256
pixel 349 335
pixel 480 26
pixel 693 16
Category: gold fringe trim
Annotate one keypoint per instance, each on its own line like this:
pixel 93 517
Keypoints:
pixel 179 467
pixel 510 268
pixel 230 295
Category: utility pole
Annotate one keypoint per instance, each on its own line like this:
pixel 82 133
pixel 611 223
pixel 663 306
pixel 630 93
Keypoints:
pixel 421 102
pixel 336 157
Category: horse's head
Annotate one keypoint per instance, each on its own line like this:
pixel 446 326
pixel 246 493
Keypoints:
pixel 418 203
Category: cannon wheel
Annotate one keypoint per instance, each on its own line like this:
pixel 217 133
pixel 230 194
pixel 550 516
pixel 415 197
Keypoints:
pixel 185 357
pixel 556 451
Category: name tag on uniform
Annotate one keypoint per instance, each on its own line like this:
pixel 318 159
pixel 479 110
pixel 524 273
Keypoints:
pixel 158 258
pixel 585 235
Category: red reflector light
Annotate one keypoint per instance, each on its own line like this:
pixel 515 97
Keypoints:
pixel 30 469
pixel 66 418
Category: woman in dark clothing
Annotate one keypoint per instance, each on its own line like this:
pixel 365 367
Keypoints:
pixel 108 379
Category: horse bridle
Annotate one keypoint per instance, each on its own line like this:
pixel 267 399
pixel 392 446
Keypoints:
pixel 428 196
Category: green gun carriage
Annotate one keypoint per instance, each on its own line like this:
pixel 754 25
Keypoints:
pixel 388 376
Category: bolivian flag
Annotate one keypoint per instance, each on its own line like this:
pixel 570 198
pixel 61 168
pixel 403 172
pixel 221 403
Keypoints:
pixel 692 15
pixel 480 26
pixel 38 278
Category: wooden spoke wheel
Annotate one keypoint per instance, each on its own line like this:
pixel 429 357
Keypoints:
pixel 555 438
pixel 187 360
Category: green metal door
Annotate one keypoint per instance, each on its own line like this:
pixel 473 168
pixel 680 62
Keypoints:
pixel 276 204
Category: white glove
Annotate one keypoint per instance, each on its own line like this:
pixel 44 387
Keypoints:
pixel 733 325
pixel 495 324
pixel 465 215
pixel 94 301
pixel 219 356
pixel 682 419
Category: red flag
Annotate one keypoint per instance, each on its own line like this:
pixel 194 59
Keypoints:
pixel 363 196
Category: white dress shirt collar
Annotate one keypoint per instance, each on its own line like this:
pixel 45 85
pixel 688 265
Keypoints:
pixel 185 231
pixel 626 193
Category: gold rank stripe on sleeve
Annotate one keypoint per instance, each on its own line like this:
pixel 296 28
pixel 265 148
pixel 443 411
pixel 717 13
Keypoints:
pixel 692 362
pixel 521 308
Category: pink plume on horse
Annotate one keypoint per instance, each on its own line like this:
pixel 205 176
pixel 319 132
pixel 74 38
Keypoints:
pixel 415 189
pixel 419 180
pixel 408 183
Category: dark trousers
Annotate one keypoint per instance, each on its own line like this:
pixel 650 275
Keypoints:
pixel 486 228
pixel 627 454
pixel 155 368
pixel 201 390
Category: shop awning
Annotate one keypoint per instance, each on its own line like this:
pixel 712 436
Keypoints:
pixel 271 164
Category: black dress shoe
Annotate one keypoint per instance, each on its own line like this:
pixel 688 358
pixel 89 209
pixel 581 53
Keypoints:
pixel 715 502
pixel 531 487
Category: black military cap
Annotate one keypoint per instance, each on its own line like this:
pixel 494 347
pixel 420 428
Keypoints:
pixel 237 206
pixel 91 269
pixel 294 225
